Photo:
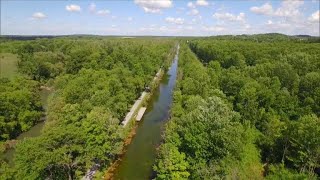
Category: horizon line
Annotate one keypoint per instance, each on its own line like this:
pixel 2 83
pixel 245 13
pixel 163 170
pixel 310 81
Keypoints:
pixel 26 35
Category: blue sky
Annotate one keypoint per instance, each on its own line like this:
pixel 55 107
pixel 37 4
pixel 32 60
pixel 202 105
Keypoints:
pixel 159 17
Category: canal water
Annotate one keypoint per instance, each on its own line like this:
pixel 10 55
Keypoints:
pixel 141 153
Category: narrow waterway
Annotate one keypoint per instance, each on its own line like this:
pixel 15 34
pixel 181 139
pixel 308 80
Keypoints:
pixel 141 153
pixel 34 131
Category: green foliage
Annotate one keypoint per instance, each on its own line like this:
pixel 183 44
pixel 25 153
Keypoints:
pixel 304 143
pixel 205 129
pixel 239 102
pixel 272 81
pixel 279 172
pixel 171 164
pixel 68 149
pixel 20 106
pixel 8 65
pixel 309 91
pixel 235 59
pixel 274 85
pixel 95 81
pixel 57 153
pixel 102 131
pixel 6 173
pixel 247 165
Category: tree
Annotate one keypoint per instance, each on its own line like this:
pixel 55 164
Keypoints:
pixel 276 89
pixel 309 91
pixel 104 136
pixel 235 59
pixel 6 172
pixel 95 82
pixel 280 172
pixel 57 154
pixel 247 102
pixel 171 164
pixel 20 106
pixel 304 143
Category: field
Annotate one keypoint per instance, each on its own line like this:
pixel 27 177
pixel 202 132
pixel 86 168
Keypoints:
pixel 8 65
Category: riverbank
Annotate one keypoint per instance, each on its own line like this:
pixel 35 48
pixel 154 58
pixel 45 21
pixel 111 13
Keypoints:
pixel 140 154
pixel 7 148
pixel 142 99
pixel 130 126
pixel 133 125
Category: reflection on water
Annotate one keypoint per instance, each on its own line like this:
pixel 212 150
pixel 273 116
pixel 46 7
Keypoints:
pixel 141 153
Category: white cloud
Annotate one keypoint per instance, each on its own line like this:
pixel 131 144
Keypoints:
pixel 175 20
pixel 191 5
pixel 222 29
pixel 229 16
pixel 215 28
pixel 296 23
pixel 194 12
pixel 291 28
pixel 146 29
pixel 265 9
pixel 168 30
pixel 92 7
pixel 288 18
pixel 202 3
pixel 38 15
pixel 197 3
pixel 130 18
pixel 189 27
pixel 197 20
pixel 103 12
pixel 112 29
pixel 73 8
pixel 315 17
pixel 180 9
pixel 163 28
pixel 278 26
pixel 154 6
pixel 287 8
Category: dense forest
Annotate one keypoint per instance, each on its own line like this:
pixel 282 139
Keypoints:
pixel 245 107
pixel 95 81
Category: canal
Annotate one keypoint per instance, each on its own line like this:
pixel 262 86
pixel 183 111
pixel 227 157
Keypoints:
pixel 140 156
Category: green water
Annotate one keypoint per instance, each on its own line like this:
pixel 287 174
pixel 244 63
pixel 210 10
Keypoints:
pixel 141 153
pixel 44 94
pixel 34 131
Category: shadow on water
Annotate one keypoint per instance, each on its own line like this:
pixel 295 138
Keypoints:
pixel 141 153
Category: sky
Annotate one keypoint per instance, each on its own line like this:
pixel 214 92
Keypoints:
pixel 159 17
